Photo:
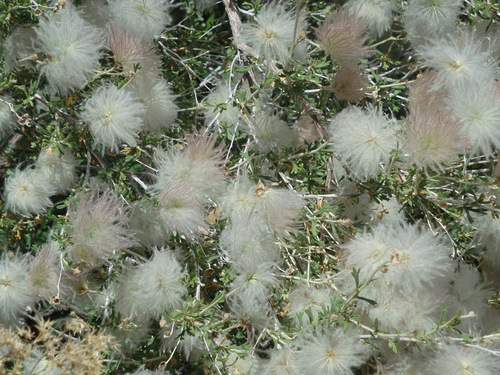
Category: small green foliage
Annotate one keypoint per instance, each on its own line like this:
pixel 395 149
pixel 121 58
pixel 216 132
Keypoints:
pixel 219 327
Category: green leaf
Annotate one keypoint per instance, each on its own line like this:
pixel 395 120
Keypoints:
pixel 370 301
pixel 355 274
pixel 393 346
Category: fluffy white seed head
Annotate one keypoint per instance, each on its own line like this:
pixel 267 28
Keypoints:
pixel 198 165
pixel 349 84
pixel 247 239
pixel 130 336
pixel 20 49
pixel 278 208
pixel 72 45
pixel 333 351
pixel 187 175
pixel 464 360
pixel 488 230
pixel 270 131
pixel 363 138
pixel 477 108
pixel 423 95
pixel 459 59
pixel 431 134
pixel 221 94
pixel 241 364
pixel 307 297
pixel 146 224
pixel 402 259
pixel 418 259
pixel 114 117
pixel 357 205
pixel 412 363
pixel 427 19
pixel 469 295
pixel 181 208
pixel 95 12
pixel 58 167
pixel 43 271
pixel 388 212
pixel 368 251
pixel 77 290
pixel 193 346
pixel 377 13
pixel 151 287
pixel 15 291
pixel 253 280
pixel 8 121
pixel 145 19
pixel 490 31
pixel 282 361
pixel 405 313
pixel 433 138
pixel 272 35
pixel 343 36
pixel 158 100
pixel 27 192
pixel 239 200
pixel 129 51
pixel 98 228
pixel 250 312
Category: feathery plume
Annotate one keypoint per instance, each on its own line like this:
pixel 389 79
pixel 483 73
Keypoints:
pixel 426 19
pixel 377 13
pixel 307 297
pixel 343 36
pixel 15 291
pixel 98 228
pixel 145 19
pixel 151 287
pixel 146 224
pixel 27 192
pixel 59 168
pixel 158 100
pixel 282 362
pixel 8 121
pixel 43 272
pixel 462 360
pixel 20 49
pixel 330 352
pixel 113 116
pixel 253 279
pixel 349 84
pixel 477 108
pixel 278 208
pixel 129 51
pixel 458 59
pixel 433 138
pixel 198 165
pixel 181 208
pixel 72 46
pixel 270 131
pixel 274 33
pixel 363 139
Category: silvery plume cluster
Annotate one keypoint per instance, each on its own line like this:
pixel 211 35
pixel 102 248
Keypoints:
pixel 191 238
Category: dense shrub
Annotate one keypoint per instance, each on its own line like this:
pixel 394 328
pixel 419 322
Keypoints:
pixel 249 188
